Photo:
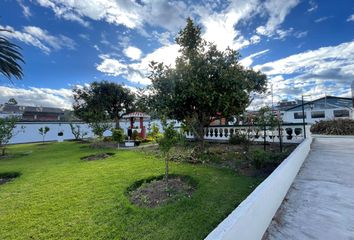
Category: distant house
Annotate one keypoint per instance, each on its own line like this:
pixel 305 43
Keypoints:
pixel 29 113
pixel 324 108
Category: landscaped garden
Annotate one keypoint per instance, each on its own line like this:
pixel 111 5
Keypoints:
pixel 98 189
pixel 58 195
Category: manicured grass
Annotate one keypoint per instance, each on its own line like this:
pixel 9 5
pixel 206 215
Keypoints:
pixel 59 196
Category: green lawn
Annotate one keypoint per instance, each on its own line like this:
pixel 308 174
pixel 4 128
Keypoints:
pixel 59 196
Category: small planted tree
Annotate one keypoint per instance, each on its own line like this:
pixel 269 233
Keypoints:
pixel 7 126
pixel 43 131
pixel 266 118
pixel 155 132
pixel 118 135
pixel 169 139
pixel 98 128
pixel 77 131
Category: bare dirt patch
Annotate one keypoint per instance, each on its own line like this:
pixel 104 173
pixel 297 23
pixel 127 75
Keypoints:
pixel 8 176
pixel 156 192
pixel 98 156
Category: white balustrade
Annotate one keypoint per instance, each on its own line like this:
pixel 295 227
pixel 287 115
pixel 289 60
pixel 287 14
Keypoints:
pixel 289 133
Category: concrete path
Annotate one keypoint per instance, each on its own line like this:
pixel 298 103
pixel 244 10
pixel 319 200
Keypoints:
pixel 320 203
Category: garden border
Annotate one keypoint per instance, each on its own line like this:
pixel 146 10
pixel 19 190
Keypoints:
pixel 251 218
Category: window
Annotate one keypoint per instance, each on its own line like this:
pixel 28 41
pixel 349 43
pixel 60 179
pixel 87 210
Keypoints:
pixel 341 113
pixel 298 115
pixel 318 114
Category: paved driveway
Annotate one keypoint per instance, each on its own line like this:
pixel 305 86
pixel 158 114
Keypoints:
pixel 320 203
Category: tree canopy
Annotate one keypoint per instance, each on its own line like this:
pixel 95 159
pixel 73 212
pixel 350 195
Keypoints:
pixel 102 101
pixel 205 82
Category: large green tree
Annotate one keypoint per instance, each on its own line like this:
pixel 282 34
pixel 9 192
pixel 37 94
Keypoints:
pixel 10 57
pixel 102 101
pixel 204 83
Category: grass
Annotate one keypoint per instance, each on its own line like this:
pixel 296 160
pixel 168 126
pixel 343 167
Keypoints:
pixel 59 196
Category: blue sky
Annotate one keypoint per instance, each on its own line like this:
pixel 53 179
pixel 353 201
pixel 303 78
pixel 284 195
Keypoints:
pixel 304 46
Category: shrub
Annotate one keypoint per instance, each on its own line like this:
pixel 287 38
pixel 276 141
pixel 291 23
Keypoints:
pixel 334 127
pixel 136 136
pixel 118 135
pixel 107 139
pixel 237 138
pixel 240 139
pixel 262 159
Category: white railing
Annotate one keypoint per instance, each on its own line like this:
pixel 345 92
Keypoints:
pixel 290 133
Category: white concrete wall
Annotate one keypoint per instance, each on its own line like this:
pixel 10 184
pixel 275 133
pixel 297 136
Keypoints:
pixel 27 132
pixel 251 218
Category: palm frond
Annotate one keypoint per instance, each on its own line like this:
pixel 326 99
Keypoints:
pixel 10 57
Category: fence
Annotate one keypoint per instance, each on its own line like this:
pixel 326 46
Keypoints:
pixel 290 133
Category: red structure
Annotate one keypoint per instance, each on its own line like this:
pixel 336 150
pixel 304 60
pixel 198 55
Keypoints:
pixel 135 116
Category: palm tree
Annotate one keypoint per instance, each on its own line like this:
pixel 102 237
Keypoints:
pixel 9 58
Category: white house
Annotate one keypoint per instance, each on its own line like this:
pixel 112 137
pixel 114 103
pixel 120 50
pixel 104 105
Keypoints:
pixel 324 108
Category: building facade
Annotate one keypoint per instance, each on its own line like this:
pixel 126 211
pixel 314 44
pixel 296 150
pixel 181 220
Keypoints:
pixel 326 108
pixel 29 113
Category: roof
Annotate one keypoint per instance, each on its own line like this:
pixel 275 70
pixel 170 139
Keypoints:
pixel 136 114
pixel 11 108
pixel 327 102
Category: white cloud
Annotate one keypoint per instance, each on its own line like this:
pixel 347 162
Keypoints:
pixel 25 9
pixel 110 66
pixel 313 6
pixel 163 38
pixel 133 53
pixel 277 10
pixel 247 61
pixel 220 27
pixel 45 97
pixel 340 56
pixel 327 70
pixel 255 39
pixel 350 18
pixel 322 19
pixel 282 34
pixel 137 72
pixel 39 38
pixel 169 15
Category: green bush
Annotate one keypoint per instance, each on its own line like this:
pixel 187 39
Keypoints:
pixel 118 135
pixel 263 159
pixel 107 139
pixel 237 138
pixel 334 127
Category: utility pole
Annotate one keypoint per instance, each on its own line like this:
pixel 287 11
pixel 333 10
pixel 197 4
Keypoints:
pixel 303 116
pixel 271 87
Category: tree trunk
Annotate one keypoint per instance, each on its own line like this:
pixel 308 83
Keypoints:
pixel 166 169
pixel 3 151
pixel 201 137
pixel 116 119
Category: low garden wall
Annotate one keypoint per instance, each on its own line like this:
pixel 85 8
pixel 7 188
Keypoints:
pixel 251 218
